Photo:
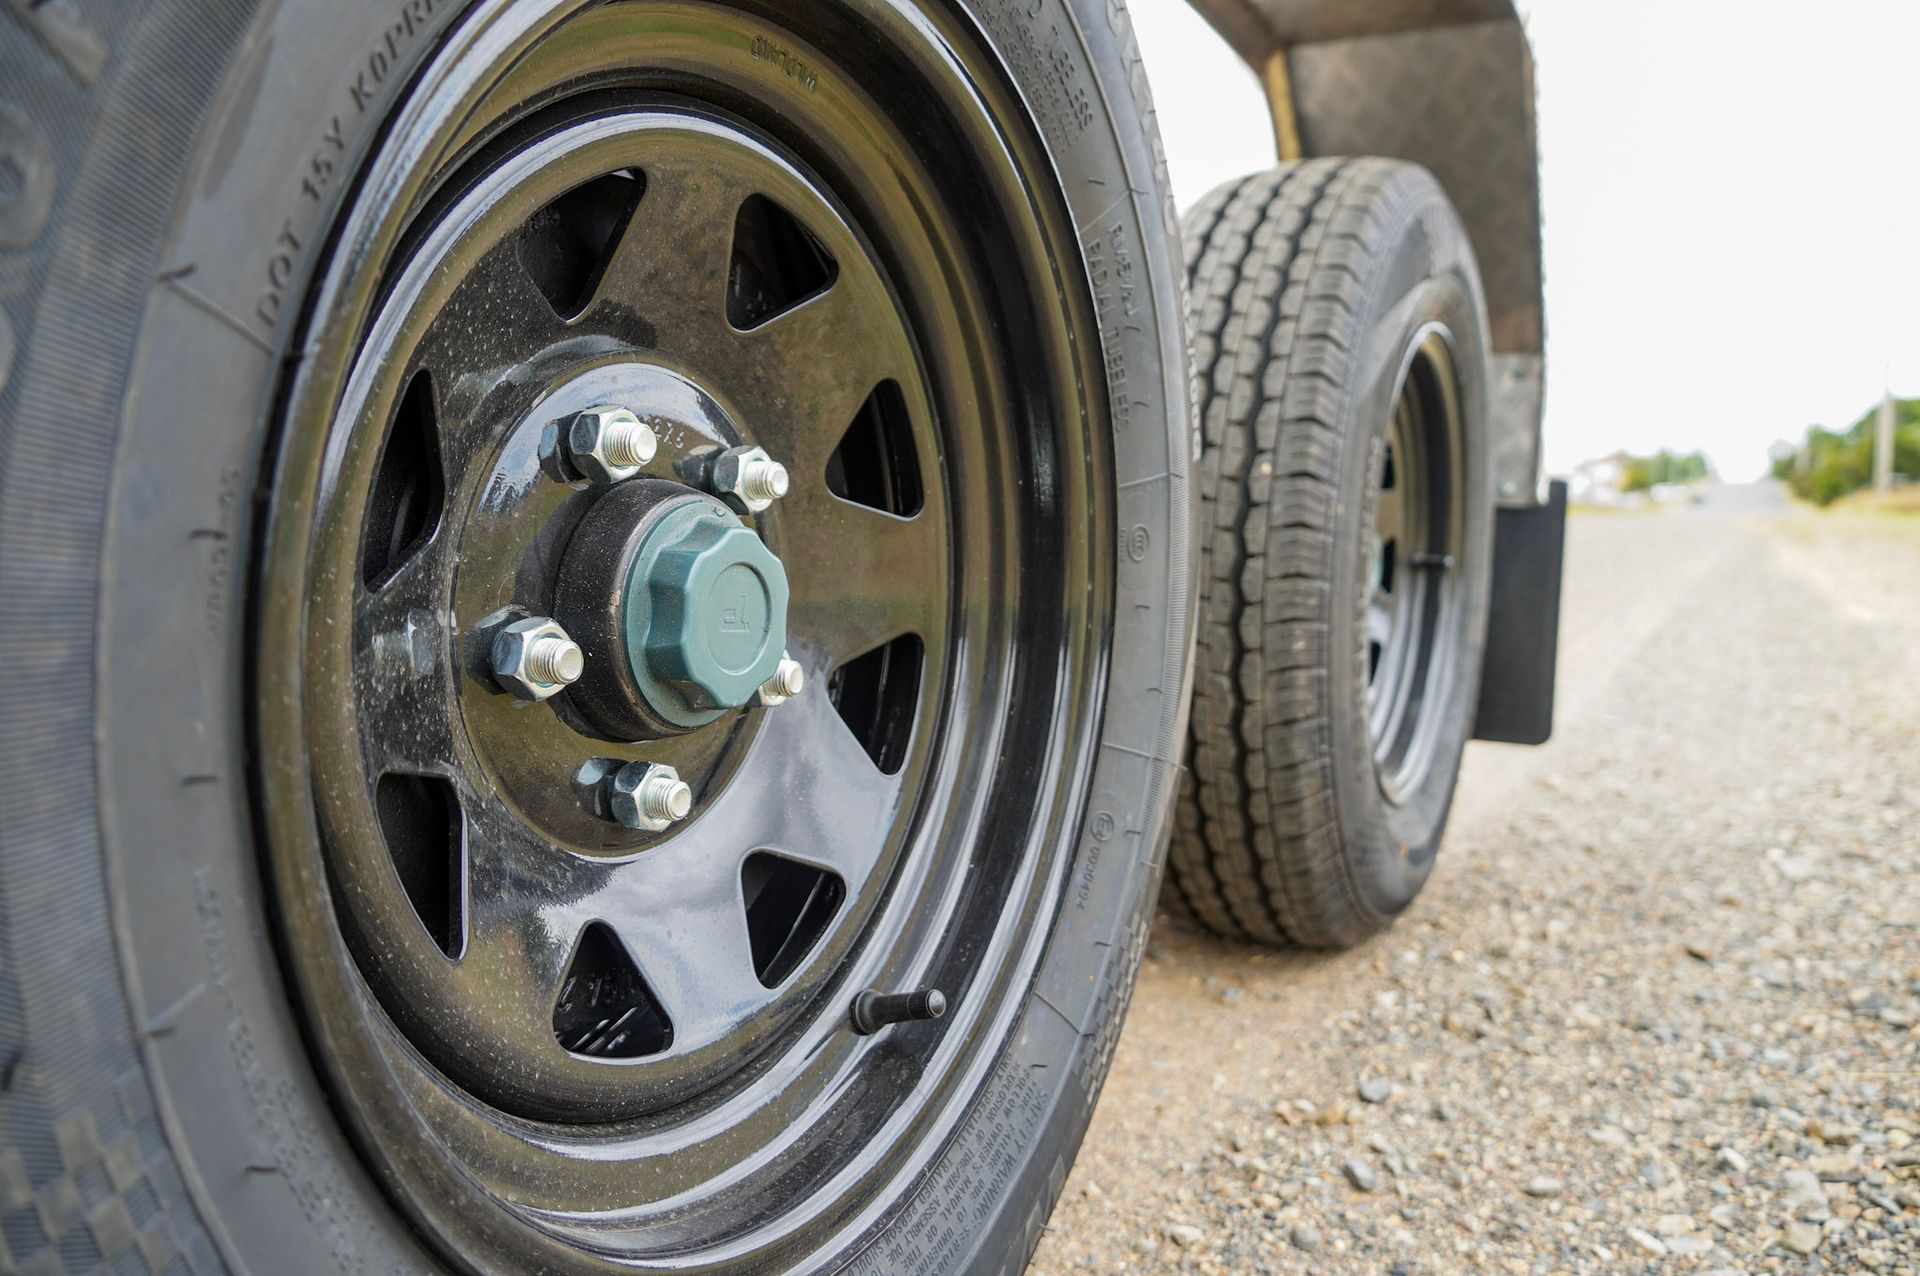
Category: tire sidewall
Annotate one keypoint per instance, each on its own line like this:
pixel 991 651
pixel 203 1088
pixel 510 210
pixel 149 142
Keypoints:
pixel 286 103
pixel 248 124
pixel 1077 65
pixel 1426 276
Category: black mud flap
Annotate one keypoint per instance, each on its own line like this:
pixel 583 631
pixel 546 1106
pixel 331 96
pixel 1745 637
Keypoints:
pixel 1523 623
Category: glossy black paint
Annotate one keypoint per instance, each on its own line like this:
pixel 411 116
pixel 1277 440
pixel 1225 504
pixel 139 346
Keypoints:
pixel 540 860
pixel 767 1118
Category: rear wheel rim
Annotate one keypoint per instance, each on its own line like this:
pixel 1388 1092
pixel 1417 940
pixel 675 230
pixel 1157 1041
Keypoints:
pixel 1414 547
pixel 531 1162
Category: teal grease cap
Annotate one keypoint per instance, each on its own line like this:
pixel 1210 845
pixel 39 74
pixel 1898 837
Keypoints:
pixel 705 614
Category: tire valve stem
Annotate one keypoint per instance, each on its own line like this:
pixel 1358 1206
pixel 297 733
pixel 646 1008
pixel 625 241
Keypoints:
pixel 873 1011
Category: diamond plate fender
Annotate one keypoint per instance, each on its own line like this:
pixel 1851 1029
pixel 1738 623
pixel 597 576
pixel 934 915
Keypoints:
pixel 1447 84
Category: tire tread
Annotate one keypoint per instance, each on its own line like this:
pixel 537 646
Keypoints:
pixel 1277 267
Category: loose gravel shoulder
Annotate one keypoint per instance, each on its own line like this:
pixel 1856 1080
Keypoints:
pixel 1658 1011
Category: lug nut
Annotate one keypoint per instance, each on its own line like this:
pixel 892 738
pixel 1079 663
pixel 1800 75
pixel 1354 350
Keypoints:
pixel 788 681
pixel 649 796
pixel 608 444
pixel 534 658
pixel 748 479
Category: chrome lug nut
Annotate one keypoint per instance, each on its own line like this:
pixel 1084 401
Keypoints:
pixel 648 796
pixel 534 658
pixel 788 681
pixel 608 444
pixel 748 479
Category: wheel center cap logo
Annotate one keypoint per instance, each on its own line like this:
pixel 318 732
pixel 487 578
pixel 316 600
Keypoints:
pixel 739 610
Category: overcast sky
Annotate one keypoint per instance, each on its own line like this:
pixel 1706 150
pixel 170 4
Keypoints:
pixel 1731 202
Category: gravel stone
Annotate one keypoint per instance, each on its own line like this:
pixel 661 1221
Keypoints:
pixel 1802 1238
pixel 1361 1174
pixel 1730 704
pixel 1375 1089
pixel 1803 1194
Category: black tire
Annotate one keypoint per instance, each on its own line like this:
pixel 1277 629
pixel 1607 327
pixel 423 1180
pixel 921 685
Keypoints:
pixel 1315 288
pixel 181 1087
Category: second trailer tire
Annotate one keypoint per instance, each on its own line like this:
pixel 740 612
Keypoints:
pixel 1340 367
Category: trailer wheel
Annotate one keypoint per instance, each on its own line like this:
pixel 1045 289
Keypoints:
pixel 598 607
pixel 1340 380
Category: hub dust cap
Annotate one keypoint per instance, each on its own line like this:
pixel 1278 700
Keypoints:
pixel 705 614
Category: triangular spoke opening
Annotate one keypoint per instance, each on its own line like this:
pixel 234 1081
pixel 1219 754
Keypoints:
pixel 789 907
pixel 425 832
pixel 877 695
pixel 605 1009
pixel 565 247
pixel 409 486
pixel 876 463
pixel 777 263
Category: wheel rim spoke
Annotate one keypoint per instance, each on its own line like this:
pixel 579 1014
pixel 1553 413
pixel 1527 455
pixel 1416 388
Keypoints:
pixel 495 319
pixel 667 273
pixel 861 577
pixel 807 372
pixel 836 806
pixel 418 586
pixel 680 918
pixel 402 676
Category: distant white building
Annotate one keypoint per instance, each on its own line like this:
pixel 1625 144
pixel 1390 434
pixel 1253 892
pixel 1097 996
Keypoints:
pixel 1601 481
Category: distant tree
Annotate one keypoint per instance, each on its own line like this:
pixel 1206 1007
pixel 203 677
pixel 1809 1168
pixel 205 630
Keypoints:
pixel 1832 463
pixel 1664 466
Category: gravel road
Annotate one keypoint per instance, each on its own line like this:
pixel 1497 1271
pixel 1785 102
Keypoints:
pixel 1657 1010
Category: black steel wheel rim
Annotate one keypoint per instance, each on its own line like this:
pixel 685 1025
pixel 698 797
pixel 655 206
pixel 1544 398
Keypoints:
pixel 563 950
pixel 581 1027
pixel 1414 547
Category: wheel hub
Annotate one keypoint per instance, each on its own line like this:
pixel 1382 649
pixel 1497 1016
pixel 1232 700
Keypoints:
pixel 679 605
pixel 704 614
